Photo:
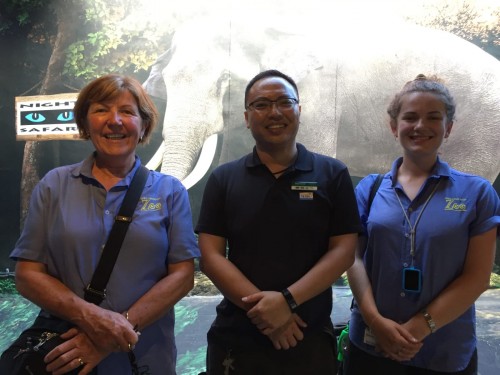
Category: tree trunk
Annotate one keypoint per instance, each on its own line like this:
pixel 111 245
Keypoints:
pixel 69 18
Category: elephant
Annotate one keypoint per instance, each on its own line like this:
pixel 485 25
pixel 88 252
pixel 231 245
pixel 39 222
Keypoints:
pixel 346 80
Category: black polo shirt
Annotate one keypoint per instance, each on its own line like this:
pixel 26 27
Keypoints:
pixel 278 228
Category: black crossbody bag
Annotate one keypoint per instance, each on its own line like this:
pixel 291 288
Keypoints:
pixel 25 355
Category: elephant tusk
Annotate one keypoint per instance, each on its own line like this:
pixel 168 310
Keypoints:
pixel 157 158
pixel 207 155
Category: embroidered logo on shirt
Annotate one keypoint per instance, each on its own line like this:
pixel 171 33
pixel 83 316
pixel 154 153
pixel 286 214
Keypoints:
pixel 150 204
pixel 455 204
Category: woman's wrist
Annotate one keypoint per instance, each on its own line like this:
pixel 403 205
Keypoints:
pixel 371 320
pixel 134 326
pixel 429 321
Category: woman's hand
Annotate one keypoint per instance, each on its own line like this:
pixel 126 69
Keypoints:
pixel 394 340
pixel 77 351
pixel 109 331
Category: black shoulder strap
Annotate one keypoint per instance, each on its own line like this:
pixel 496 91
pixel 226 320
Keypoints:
pixel 373 191
pixel 95 292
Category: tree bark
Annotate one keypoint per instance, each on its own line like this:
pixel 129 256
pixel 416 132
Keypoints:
pixel 69 18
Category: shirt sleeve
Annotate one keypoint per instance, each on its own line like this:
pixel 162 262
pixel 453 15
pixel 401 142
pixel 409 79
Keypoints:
pixel 181 236
pixel 30 244
pixel 211 219
pixel 487 210
pixel 345 218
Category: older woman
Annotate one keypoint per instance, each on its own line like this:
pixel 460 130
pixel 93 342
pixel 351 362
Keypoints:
pixel 71 213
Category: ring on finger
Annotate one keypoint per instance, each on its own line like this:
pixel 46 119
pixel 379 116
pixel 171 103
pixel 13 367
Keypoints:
pixel 131 346
pixel 81 362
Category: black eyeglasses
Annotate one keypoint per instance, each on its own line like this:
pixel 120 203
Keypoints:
pixel 265 105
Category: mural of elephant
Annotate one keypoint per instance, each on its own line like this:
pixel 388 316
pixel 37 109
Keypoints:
pixel 346 80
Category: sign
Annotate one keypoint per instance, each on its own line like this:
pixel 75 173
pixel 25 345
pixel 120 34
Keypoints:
pixel 46 117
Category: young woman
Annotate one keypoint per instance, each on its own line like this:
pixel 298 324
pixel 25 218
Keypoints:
pixel 427 251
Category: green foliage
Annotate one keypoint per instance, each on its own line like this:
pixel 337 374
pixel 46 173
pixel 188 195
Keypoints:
pixel 342 280
pixel 18 12
pixel 7 285
pixel 495 281
pixel 467 21
pixel 117 38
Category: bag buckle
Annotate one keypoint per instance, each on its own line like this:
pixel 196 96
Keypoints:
pixel 124 219
pixel 95 292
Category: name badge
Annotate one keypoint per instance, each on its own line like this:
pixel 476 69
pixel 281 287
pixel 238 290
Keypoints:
pixel 305 186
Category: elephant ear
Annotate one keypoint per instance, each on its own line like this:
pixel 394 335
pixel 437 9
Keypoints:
pixel 155 84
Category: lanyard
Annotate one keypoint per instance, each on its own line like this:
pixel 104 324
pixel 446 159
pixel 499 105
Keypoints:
pixel 414 227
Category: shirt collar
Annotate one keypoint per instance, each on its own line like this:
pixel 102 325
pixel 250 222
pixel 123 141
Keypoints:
pixel 84 169
pixel 441 169
pixel 304 161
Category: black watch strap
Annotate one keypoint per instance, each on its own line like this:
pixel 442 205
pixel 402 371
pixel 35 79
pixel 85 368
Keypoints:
pixel 290 300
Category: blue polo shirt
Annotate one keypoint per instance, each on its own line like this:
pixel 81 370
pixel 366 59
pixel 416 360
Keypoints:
pixel 278 228
pixel 69 219
pixel 463 206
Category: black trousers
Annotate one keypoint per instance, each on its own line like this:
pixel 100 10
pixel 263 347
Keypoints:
pixel 231 354
pixel 358 362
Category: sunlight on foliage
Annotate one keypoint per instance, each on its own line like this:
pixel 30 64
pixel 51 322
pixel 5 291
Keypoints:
pixel 465 19
pixel 118 39
pixel 495 280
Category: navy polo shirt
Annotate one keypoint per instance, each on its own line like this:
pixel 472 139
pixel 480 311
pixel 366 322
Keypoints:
pixel 278 228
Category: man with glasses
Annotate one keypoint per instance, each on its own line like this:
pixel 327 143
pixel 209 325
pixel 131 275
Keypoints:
pixel 290 222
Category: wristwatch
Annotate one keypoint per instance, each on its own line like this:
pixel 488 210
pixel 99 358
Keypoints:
pixel 430 322
pixel 290 300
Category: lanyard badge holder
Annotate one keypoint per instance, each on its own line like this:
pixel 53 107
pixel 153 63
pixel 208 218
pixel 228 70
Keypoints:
pixel 412 280
pixel 412 276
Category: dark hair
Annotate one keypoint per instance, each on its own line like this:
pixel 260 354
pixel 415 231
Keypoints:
pixel 267 74
pixel 107 88
pixel 421 83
